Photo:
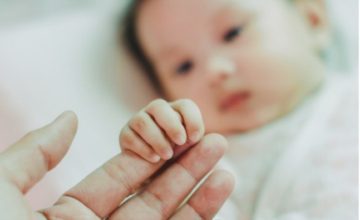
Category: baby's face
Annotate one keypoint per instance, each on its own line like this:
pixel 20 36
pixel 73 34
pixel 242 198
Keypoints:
pixel 243 62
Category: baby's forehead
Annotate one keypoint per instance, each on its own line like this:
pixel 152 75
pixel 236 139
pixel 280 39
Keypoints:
pixel 169 22
pixel 165 11
pixel 177 13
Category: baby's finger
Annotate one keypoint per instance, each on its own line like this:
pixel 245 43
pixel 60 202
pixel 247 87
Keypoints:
pixel 129 140
pixel 169 120
pixel 149 131
pixel 192 118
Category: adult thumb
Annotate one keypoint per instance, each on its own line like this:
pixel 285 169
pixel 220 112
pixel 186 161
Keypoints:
pixel 28 160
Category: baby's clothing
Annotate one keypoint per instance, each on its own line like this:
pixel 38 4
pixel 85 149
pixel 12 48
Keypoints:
pixel 302 166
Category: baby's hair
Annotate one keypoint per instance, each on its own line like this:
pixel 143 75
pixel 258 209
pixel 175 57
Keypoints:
pixel 132 43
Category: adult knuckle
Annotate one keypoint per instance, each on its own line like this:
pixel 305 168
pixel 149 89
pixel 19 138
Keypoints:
pixel 118 174
pixel 41 148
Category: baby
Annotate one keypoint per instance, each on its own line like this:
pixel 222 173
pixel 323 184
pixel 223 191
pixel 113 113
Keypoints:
pixel 255 72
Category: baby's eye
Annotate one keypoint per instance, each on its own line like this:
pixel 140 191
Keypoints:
pixel 185 67
pixel 232 34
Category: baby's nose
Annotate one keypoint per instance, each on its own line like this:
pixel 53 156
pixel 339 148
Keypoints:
pixel 219 68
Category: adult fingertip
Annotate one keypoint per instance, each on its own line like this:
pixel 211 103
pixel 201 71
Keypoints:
pixel 226 179
pixel 68 115
pixel 217 141
pixel 68 120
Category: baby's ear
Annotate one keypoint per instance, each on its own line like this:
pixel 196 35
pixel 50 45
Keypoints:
pixel 316 16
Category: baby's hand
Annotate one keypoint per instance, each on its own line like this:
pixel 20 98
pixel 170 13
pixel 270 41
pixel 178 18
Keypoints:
pixel 153 131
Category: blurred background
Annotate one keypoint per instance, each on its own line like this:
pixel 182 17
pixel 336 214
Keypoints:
pixel 57 55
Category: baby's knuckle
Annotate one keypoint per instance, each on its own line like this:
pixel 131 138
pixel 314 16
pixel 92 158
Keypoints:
pixel 138 123
pixel 157 103
pixel 126 139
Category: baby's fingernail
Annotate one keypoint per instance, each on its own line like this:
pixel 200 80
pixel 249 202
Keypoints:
pixel 155 158
pixel 168 155
pixel 180 139
pixel 195 136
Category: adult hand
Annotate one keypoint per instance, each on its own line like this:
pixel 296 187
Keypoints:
pixel 102 193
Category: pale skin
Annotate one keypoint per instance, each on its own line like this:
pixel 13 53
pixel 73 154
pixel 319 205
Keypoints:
pixel 162 127
pixel 100 194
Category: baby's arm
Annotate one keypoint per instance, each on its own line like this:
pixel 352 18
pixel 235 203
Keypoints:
pixel 156 129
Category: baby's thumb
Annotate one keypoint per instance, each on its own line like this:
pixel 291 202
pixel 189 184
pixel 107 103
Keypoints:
pixel 28 160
